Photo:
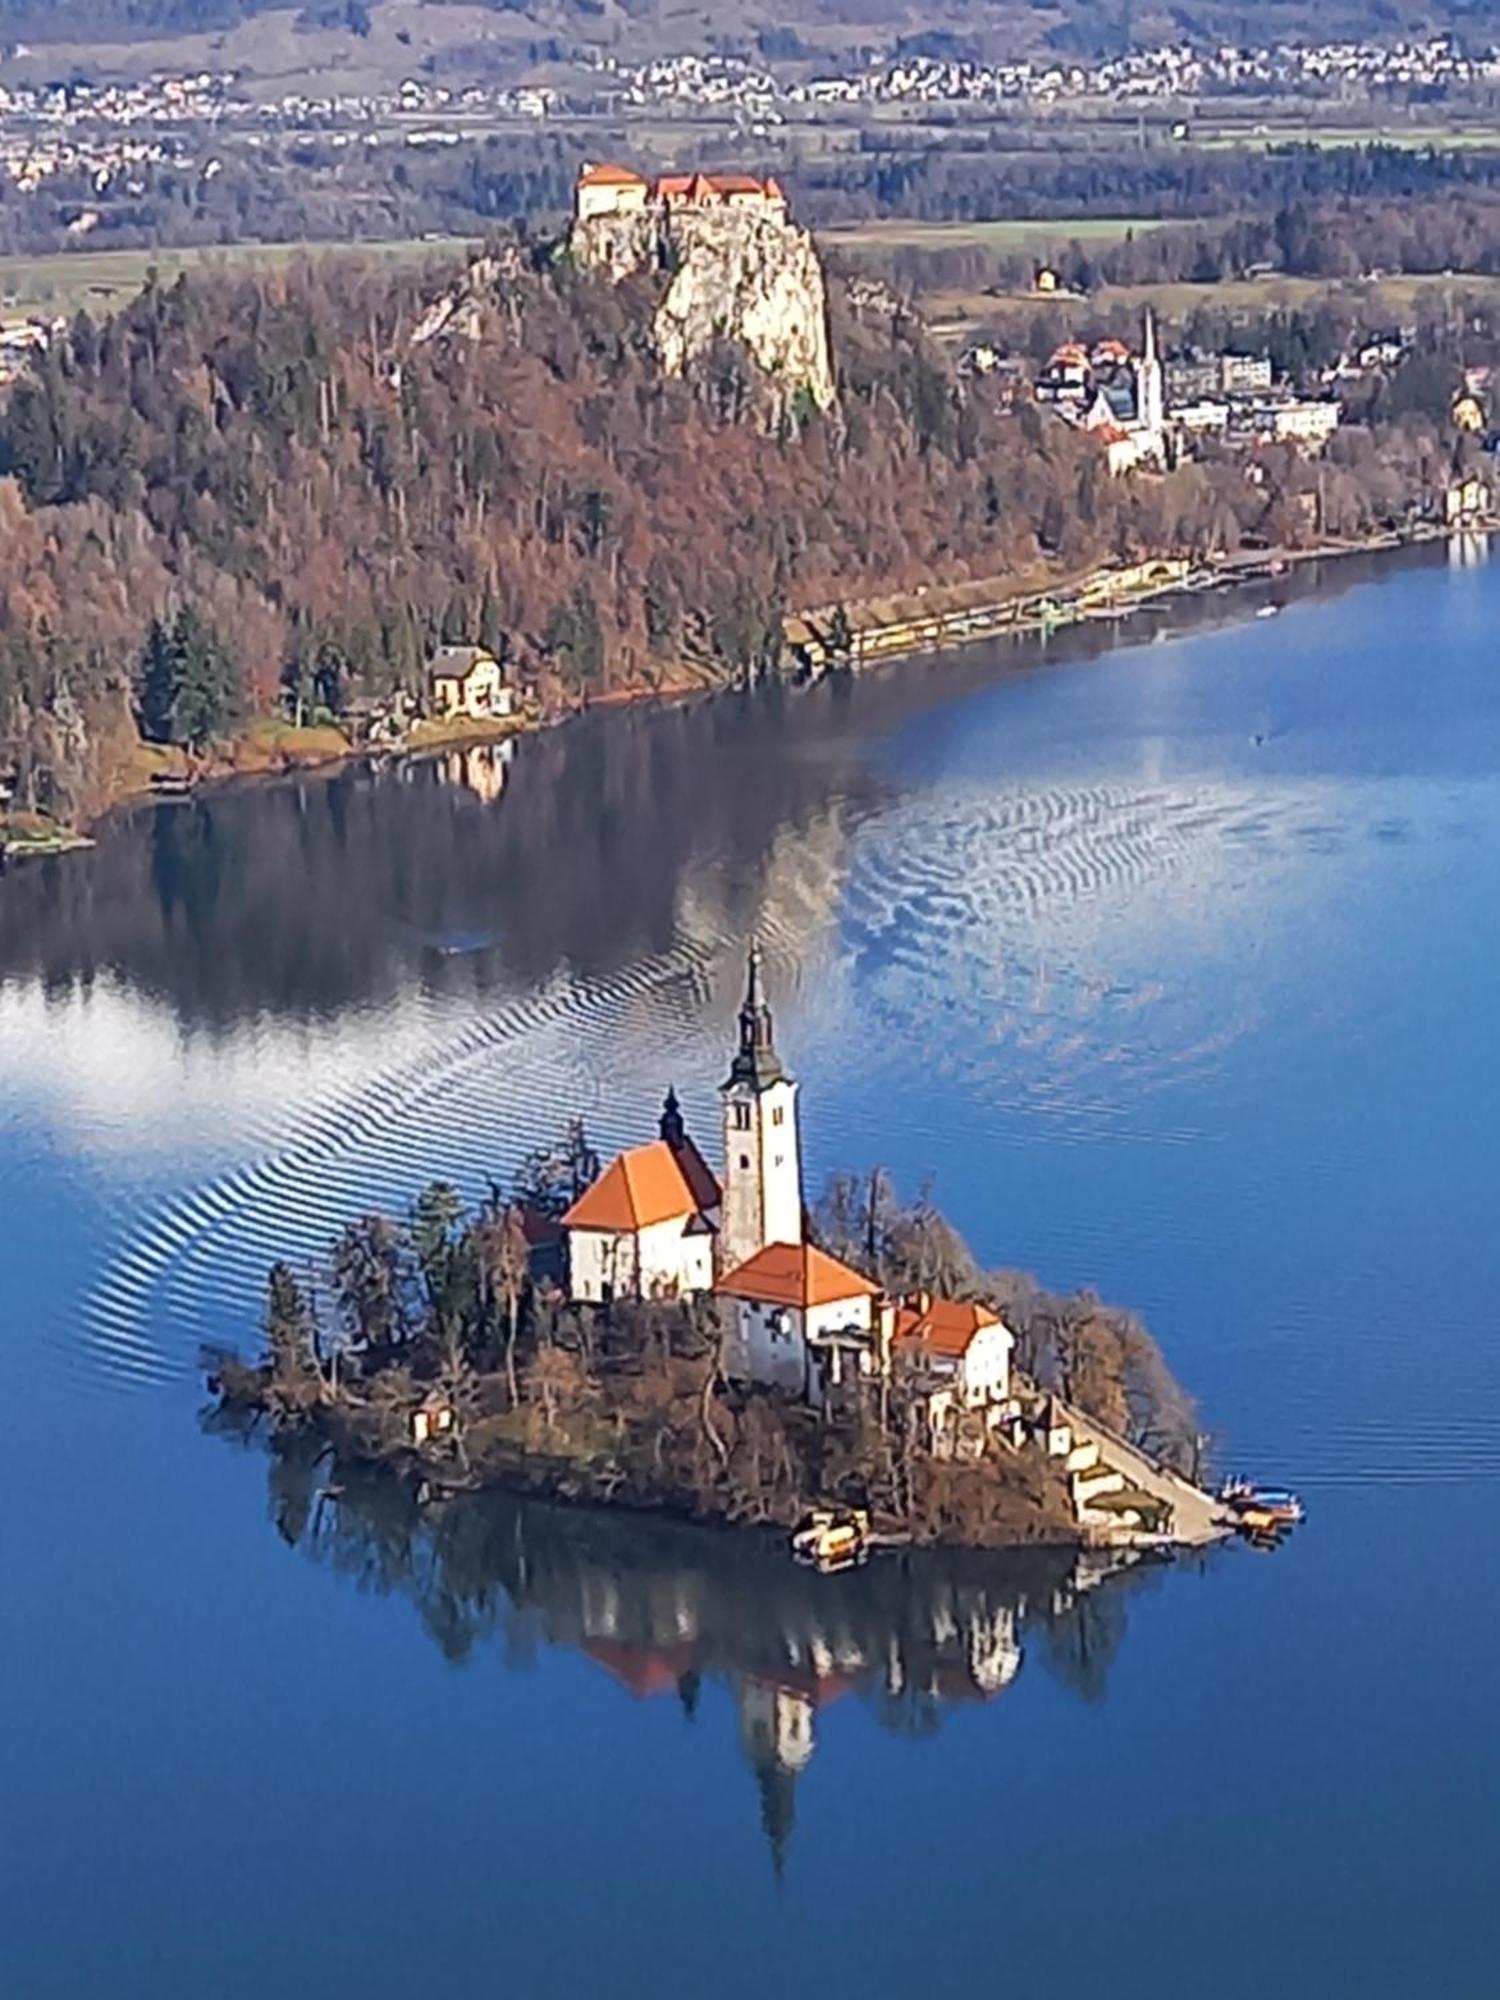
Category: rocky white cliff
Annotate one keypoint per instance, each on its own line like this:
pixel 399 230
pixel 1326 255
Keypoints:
pixel 728 274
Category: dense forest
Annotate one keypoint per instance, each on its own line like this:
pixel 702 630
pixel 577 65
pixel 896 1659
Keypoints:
pixel 244 494
pixel 1075 173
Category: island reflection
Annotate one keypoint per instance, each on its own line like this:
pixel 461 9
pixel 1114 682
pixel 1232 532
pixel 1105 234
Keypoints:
pixel 665 1607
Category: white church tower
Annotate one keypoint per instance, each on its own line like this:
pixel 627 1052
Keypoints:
pixel 1150 395
pixel 762 1160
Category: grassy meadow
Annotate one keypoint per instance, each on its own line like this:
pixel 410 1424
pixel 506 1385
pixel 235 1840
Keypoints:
pixel 102 281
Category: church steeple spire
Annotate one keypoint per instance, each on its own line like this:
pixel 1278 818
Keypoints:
pixel 762 1177
pixel 671 1127
pixel 756 1061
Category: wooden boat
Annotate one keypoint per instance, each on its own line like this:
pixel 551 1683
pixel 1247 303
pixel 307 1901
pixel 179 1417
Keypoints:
pixel 833 1538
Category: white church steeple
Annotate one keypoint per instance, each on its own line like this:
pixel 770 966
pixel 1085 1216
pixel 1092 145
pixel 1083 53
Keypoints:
pixel 1150 396
pixel 762 1165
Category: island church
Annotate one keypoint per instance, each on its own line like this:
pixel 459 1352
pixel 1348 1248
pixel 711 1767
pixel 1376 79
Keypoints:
pixel 658 1223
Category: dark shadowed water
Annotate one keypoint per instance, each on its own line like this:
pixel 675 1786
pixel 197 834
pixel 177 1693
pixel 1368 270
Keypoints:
pixel 1174 967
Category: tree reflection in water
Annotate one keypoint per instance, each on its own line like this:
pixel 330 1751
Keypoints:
pixel 664 1606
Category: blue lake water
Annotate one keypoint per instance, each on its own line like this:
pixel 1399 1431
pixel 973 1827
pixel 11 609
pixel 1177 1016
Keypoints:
pixel 1173 966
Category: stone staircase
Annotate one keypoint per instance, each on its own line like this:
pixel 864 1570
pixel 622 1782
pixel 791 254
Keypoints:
pixel 1123 1496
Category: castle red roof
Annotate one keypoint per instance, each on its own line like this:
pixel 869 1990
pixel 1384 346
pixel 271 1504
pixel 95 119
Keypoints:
pixel 607 174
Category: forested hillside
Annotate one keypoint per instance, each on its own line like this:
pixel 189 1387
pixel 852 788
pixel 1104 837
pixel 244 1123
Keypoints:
pixel 273 456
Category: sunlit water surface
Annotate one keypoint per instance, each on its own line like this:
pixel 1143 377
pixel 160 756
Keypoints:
pixel 1174 967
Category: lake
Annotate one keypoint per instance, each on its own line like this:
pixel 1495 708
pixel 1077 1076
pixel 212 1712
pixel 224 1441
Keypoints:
pixel 1173 968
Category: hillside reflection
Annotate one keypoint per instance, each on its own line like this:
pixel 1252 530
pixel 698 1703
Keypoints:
pixel 476 871
pixel 665 1608
pixel 588 847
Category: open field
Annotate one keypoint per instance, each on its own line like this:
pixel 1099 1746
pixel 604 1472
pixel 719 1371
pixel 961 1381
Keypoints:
pixel 1005 234
pixel 104 280
pixel 956 316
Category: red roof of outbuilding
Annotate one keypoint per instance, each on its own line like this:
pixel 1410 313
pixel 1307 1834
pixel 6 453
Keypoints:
pixel 607 174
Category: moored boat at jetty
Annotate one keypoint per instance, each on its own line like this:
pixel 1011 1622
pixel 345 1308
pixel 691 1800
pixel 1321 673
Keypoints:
pixel 1262 1511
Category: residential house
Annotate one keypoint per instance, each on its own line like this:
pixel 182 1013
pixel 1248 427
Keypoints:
pixel 467 681
pixel 964 1343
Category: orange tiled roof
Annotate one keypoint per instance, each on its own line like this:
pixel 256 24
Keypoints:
pixel 607 174
pixel 942 1326
pixel 643 1186
pixel 795 1274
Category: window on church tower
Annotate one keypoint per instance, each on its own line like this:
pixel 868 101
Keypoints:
pixel 741 1117
pixel 778 1114
pixel 744 1163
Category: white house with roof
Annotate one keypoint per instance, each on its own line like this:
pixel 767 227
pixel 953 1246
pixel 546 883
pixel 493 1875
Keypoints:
pixel 958 1354
pixel 467 681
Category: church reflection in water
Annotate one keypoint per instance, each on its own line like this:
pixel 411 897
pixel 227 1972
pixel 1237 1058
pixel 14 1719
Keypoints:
pixel 666 1608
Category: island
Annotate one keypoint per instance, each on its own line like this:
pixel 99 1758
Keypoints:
pixel 656 1333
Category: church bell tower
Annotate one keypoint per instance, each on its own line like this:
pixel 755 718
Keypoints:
pixel 762 1163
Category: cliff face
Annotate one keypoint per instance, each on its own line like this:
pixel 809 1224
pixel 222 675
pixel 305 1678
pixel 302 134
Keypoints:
pixel 730 274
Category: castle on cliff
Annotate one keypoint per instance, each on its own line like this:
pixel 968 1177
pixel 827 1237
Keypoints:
pixel 608 189
pixel 730 266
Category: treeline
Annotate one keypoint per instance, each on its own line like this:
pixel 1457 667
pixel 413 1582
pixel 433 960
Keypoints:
pixel 973 177
pixel 1458 236
pixel 272 454
pixel 427 1342
pixel 300 189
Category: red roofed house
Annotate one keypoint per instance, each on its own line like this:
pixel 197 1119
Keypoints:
pixel 961 1348
pixel 646 1227
pixel 803 1322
